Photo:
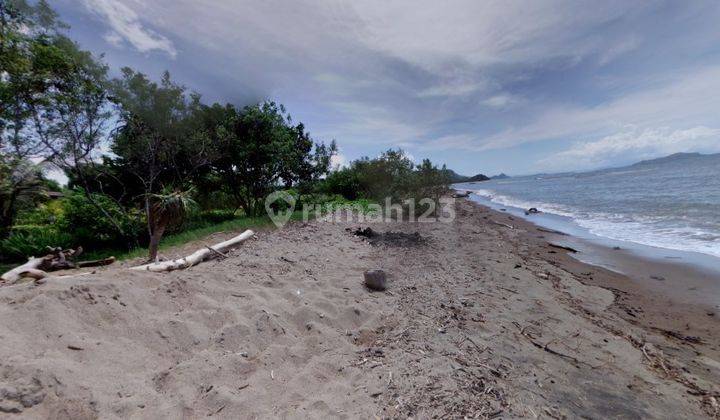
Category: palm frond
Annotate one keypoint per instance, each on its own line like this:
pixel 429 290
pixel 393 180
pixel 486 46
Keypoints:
pixel 172 206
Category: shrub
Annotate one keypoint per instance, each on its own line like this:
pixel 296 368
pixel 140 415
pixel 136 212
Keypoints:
pixel 44 214
pixel 344 182
pixel 92 229
pixel 202 219
pixel 27 241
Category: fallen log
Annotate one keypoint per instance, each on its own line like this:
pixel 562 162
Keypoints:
pixel 29 269
pixel 57 259
pixel 196 257
pixel 96 263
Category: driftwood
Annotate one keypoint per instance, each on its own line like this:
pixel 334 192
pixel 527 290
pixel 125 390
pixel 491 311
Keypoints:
pixel 56 259
pixel 95 263
pixel 197 256
pixel 555 232
pixel 502 224
pixel 566 248
pixel 29 269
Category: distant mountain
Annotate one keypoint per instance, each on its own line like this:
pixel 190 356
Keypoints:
pixel 456 178
pixel 478 178
pixel 500 176
pixel 677 157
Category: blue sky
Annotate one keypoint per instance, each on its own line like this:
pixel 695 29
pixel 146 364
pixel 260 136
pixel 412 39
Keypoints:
pixel 483 86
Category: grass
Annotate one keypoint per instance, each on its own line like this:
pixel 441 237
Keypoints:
pixel 7 267
pixel 177 239
pixel 190 235
pixel 181 238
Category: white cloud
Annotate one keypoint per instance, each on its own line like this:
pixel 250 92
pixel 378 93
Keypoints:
pixel 114 39
pixel 636 143
pixel 125 25
pixel 502 101
pixel 435 34
pixel 496 74
pixel 451 89
pixel 617 50
pixel 368 124
pixel 338 160
pixel 684 100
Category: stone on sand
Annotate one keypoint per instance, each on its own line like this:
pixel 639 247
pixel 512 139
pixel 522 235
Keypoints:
pixel 376 280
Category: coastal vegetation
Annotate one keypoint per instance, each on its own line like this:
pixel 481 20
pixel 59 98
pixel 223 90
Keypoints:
pixel 145 159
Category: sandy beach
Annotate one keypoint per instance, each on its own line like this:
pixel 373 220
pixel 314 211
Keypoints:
pixel 483 318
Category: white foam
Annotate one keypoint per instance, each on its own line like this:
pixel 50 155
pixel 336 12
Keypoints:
pixel 641 230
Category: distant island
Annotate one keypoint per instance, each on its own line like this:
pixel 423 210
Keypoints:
pixel 677 157
pixel 456 178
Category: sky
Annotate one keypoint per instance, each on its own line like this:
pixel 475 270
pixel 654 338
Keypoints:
pixel 483 86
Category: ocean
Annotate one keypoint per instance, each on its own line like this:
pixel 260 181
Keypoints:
pixel 672 202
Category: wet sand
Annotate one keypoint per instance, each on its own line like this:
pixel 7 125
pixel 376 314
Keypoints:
pixel 482 319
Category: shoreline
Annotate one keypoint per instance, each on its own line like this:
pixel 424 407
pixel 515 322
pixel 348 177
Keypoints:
pixel 686 277
pixel 708 263
pixel 660 295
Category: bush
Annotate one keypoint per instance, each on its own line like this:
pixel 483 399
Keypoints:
pixel 91 228
pixel 202 219
pixel 344 182
pixel 28 241
pixel 44 214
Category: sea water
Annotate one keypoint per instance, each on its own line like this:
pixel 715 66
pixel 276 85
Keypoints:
pixel 671 203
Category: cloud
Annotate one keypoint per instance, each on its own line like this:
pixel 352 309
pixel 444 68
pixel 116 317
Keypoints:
pixel 682 100
pixel 617 50
pixel 463 76
pixel 449 90
pixel 125 26
pixel 338 160
pixel 502 101
pixel 636 143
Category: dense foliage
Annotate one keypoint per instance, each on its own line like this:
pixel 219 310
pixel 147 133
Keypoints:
pixel 392 177
pixel 174 162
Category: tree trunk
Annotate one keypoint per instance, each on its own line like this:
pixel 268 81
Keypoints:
pixel 155 238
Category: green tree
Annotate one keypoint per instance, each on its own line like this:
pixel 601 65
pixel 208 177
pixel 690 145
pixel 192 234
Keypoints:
pixel 388 176
pixel 30 67
pixel 18 183
pixel 261 149
pixel 159 141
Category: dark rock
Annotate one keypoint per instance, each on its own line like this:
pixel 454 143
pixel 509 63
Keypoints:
pixel 366 232
pixel 375 280
pixel 459 194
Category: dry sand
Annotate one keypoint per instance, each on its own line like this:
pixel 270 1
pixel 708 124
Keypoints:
pixel 480 320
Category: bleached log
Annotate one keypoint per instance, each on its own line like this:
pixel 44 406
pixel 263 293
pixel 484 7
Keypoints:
pixel 29 269
pixel 196 257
